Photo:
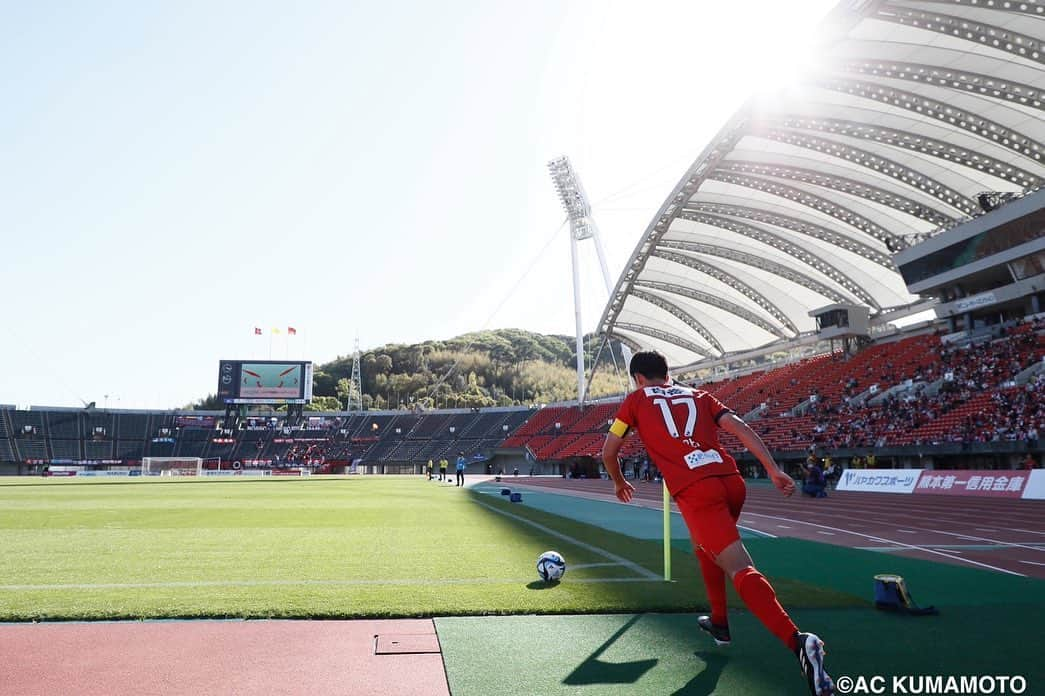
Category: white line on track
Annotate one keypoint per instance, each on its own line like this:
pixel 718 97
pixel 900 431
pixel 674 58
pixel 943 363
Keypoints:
pixel 311 583
pixel 1035 563
pixel 827 533
pixel 630 565
pixel 997 542
pixel 917 529
pixel 897 543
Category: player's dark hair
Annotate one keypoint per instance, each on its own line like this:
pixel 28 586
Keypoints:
pixel 650 364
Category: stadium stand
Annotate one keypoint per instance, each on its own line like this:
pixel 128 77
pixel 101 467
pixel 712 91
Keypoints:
pixel 985 390
pixel 915 390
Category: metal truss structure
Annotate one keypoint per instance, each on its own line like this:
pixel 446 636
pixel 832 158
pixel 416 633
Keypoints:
pixel 911 108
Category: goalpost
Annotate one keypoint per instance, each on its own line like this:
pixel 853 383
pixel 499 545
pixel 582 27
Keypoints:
pixel 172 466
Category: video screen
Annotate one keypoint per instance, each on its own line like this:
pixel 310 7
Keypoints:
pixel 265 381
pixel 270 381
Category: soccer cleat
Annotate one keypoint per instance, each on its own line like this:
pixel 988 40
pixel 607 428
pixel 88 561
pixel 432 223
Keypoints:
pixel 719 633
pixel 811 653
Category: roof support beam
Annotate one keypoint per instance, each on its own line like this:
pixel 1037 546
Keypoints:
pixel 794 250
pixel 792 224
pixel 761 263
pixel 915 143
pixel 732 281
pixel 1021 45
pixel 952 116
pixel 663 336
pixel 739 311
pixel 1034 8
pixel 845 185
pixel 878 164
pixel 949 78
pixel 839 212
pixel 680 314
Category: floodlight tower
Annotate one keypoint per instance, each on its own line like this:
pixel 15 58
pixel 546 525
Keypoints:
pixel 582 226
pixel 355 390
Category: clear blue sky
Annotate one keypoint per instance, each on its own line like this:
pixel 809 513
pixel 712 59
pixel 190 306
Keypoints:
pixel 174 174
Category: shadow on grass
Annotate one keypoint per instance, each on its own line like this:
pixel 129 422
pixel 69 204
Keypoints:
pixel 707 681
pixel 542 585
pixel 595 671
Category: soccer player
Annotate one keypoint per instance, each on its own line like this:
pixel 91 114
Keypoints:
pixel 678 426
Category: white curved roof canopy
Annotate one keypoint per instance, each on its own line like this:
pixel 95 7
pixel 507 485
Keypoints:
pixel 912 109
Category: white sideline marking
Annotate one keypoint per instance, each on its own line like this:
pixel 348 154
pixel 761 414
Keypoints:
pixel 287 583
pixel 1033 563
pixel 897 543
pixel 630 565
pixel 578 566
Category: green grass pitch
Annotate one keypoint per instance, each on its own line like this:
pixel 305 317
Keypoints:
pixel 319 547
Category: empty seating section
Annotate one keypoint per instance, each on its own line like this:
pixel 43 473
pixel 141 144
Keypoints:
pixel 63 425
pixel 66 449
pixel 132 426
pixel 431 426
pixel 26 448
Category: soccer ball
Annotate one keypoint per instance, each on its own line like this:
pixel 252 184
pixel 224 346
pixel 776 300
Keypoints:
pixel 551 566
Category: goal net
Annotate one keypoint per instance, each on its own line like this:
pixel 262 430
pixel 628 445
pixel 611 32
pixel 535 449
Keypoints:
pixel 172 466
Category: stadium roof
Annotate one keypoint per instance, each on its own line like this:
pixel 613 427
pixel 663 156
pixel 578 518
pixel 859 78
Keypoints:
pixel 911 110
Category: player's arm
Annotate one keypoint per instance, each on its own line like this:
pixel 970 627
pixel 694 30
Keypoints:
pixel 750 439
pixel 610 452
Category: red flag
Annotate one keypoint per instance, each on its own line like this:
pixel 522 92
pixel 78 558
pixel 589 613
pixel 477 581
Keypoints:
pixel 257 331
pixel 292 331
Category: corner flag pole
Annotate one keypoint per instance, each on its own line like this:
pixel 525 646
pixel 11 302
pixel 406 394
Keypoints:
pixel 667 532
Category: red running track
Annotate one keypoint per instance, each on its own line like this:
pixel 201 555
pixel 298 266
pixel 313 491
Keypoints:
pixel 998 534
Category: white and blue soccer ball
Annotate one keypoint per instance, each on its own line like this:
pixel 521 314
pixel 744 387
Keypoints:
pixel 551 566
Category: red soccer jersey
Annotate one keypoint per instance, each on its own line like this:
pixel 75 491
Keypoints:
pixel 679 427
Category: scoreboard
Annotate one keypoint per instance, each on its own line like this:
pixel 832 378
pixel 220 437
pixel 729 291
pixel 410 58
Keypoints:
pixel 264 382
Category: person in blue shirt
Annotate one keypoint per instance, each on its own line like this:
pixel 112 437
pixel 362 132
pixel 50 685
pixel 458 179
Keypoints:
pixel 461 464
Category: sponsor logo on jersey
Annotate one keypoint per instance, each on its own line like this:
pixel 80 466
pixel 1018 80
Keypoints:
pixel 699 458
pixel 668 391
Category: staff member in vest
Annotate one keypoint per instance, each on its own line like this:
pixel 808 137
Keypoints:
pixel 442 469
pixel 461 464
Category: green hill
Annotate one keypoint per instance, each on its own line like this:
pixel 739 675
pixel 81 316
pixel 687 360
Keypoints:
pixel 505 367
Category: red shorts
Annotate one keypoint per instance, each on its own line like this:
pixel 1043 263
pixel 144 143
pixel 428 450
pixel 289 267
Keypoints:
pixel 711 508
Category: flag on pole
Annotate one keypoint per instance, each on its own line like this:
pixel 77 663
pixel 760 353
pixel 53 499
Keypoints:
pixel 292 331
pixel 257 331
pixel 275 330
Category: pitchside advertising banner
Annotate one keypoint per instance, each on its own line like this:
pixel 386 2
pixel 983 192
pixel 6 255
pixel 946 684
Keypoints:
pixel 1035 487
pixel 970 482
pixel 879 480
pixel 1015 483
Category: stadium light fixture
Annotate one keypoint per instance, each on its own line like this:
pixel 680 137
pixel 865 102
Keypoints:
pixel 574 200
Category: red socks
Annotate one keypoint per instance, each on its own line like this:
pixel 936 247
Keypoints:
pixel 760 598
pixel 715 582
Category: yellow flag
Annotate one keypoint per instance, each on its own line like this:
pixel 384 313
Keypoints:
pixel 275 330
